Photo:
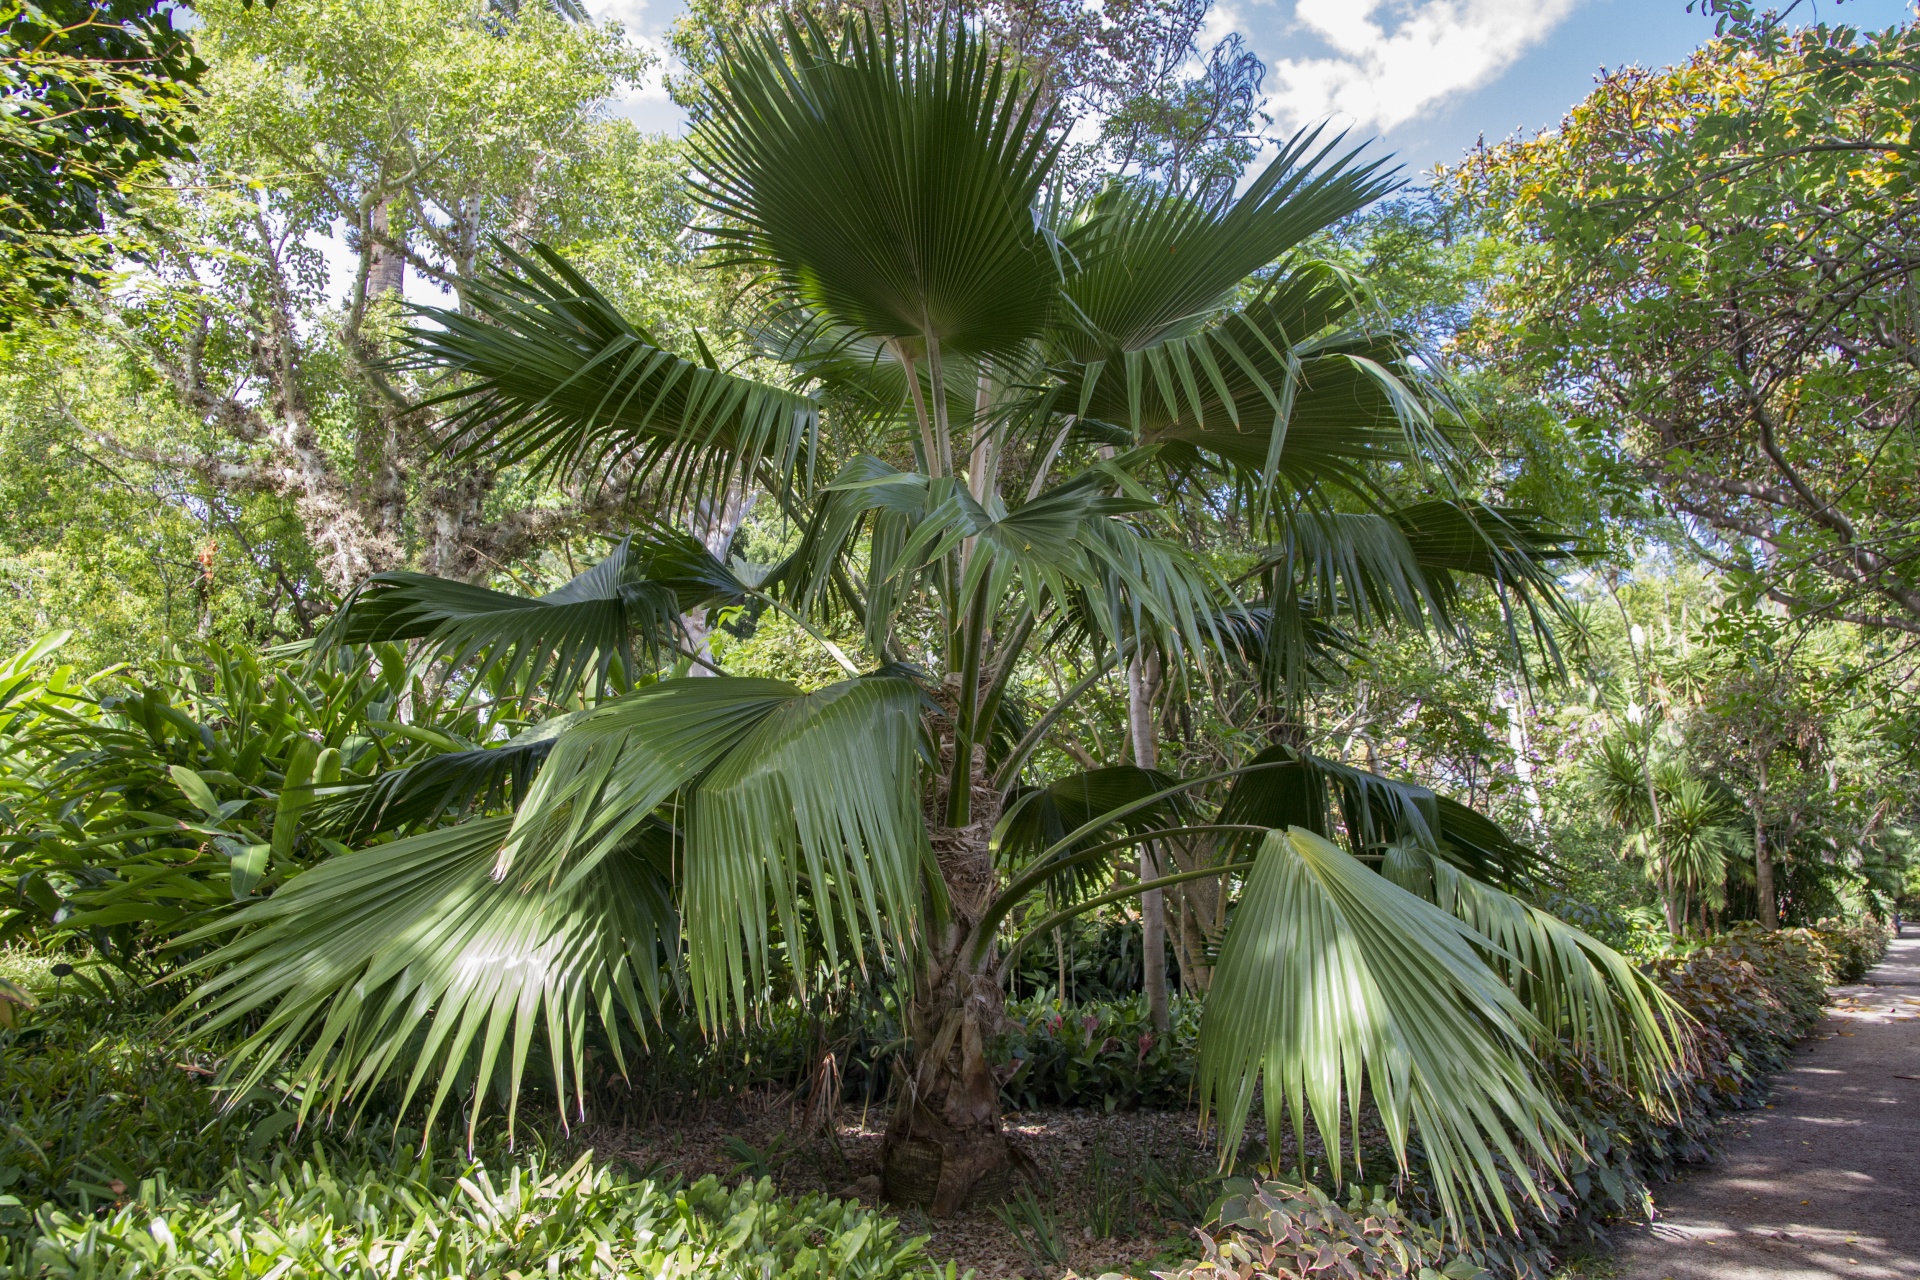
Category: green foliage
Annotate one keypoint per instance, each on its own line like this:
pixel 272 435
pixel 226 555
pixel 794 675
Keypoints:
pixel 318 1218
pixel 1275 1231
pixel 1441 1040
pixel 116 1158
pixel 116 548
pixel 138 805
pixel 1031 1223
pixel 1705 290
pixel 848 176
pixel 1102 1055
pixel 92 1094
pixel 94 96
pixel 1116 368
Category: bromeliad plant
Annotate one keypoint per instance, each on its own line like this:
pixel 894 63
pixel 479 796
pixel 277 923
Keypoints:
pixel 1003 409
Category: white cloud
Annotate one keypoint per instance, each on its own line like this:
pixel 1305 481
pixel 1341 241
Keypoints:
pixel 1384 72
pixel 645 25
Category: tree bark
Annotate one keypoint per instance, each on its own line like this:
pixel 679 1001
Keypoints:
pixel 1143 689
pixel 1763 856
pixel 1199 908
pixel 945 1148
pixel 386 267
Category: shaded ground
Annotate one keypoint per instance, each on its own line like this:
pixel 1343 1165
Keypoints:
pixel 1826 1180
pixel 1118 1191
pixel 1111 1192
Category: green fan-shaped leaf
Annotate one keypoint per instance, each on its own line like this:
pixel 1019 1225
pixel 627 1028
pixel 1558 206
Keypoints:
pixel 569 635
pixel 414 959
pixel 1144 264
pixel 887 182
pixel 1286 787
pixel 1333 982
pixel 1587 997
pixel 1039 818
pixel 545 369
pixel 820 801
pixel 448 783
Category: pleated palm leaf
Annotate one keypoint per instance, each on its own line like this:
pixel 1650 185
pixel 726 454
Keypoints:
pixel 1026 390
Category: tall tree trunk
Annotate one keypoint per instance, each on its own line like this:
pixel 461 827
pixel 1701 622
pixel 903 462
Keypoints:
pixel 1143 689
pixel 944 1147
pixel 387 270
pixel 1763 856
pixel 1197 911
pixel 1669 897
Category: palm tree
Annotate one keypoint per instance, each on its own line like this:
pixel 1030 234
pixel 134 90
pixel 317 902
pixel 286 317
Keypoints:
pixel 1001 408
pixel 1682 828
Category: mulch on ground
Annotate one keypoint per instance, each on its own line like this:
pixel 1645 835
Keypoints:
pixel 1108 1182
pixel 1123 1191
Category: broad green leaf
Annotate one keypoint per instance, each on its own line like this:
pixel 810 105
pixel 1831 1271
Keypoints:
pixel 1333 984
pixel 296 794
pixel 247 867
pixel 195 788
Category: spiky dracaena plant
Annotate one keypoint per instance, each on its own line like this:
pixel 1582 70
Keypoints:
pixel 1015 396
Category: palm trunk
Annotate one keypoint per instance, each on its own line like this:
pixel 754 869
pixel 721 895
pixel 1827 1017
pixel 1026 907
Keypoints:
pixel 1763 864
pixel 1143 688
pixel 944 1147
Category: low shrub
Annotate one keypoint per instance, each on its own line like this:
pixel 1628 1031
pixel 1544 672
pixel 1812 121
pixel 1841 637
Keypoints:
pixel 363 1220
pixel 1104 1055
pixel 1275 1231
pixel 1847 949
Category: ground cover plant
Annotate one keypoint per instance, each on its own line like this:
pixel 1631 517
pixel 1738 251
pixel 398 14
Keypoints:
pixel 112 1124
pixel 118 1158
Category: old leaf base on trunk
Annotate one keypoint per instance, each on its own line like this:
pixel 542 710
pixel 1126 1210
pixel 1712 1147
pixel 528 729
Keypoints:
pixel 945 1149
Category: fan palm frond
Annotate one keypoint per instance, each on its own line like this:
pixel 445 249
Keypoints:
pixel 1039 819
pixel 1285 787
pixel 448 783
pixel 1332 981
pixel 543 368
pixel 1144 264
pixel 742 798
pixel 886 181
pixel 1588 998
pixel 414 958
pixel 568 636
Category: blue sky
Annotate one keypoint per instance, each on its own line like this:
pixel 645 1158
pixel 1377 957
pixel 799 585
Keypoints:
pixel 1426 77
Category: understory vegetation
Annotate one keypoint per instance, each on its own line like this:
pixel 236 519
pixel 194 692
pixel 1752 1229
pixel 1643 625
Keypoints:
pixel 986 662
pixel 121 1158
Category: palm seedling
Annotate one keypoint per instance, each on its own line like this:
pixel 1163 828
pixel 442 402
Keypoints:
pixel 1000 409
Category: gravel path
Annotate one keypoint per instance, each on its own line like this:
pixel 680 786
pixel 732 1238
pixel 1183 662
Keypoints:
pixel 1826 1181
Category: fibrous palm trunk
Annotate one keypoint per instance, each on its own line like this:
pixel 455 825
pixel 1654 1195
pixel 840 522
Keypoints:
pixel 945 1148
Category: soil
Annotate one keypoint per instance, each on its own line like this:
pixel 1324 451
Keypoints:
pixel 1825 1181
pixel 1093 1169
